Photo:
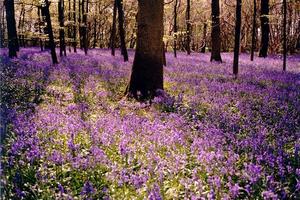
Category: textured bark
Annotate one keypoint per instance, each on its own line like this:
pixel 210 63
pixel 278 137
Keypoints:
pixel 147 69
pixel 121 29
pixel 188 27
pixel 61 19
pixel 2 29
pixel 95 28
pixel 50 32
pixel 253 40
pixel 238 23
pixel 13 44
pixel 85 10
pixel 69 27
pixel 204 38
pixel 265 28
pixel 215 32
pixel 113 30
pixel 284 34
pixel 40 30
pixel 175 28
pixel 74 27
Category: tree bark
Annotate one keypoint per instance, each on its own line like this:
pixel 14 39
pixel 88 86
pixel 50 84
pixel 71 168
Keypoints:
pixel 175 29
pixel 215 32
pixel 284 34
pixel 121 29
pixel 85 25
pixel 253 40
pixel 147 70
pixel 238 23
pixel 265 28
pixel 113 30
pixel 95 27
pixel 2 29
pixel 40 30
pixel 74 27
pixel 188 27
pixel 50 32
pixel 61 19
pixel 13 44
pixel 204 38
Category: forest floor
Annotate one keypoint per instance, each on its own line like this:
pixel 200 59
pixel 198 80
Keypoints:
pixel 72 134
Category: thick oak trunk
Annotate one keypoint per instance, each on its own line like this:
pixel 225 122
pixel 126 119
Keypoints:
pixel 147 69
pixel 215 32
pixel 265 28
pixel 13 44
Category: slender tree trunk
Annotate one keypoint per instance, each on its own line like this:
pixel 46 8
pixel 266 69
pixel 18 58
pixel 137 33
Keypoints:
pixel 80 2
pixel 74 27
pixel 95 28
pixel 62 43
pixel 175 28
pixel 121 29
pixel 113 30
pixel 188 27
pixel 238 23
pixel 265 28
pixel 253 41
pixel 40 30
pixel 284 34
pixel 85 25
pixel 204 38
pixel 13 44
pixel 69 27
pixel 147 70
pixel 50 33
pixel 215 32
pixel 2 28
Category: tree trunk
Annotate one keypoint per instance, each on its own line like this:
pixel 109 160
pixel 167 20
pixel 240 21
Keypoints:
pixel 284 34
pixel 121 29
pixel 13 44
pixel 265 29
pixel 2 29
pixel 147 70
pixel 113 30
pixel 50 32
pixel 69 27
pixel 238 23
pixel 204 38
pixel 74 27
pixel 80 13
pixel 62 44
pixel 215 32
pixel 253 40
pixel 175 29
pixel 85 11
pixel 40 30
pixel 95 28
pixel 188 27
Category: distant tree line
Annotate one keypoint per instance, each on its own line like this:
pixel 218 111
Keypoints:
pixel 152 27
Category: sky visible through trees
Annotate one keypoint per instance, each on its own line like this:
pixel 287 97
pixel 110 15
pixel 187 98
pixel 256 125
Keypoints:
pixel 150 99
